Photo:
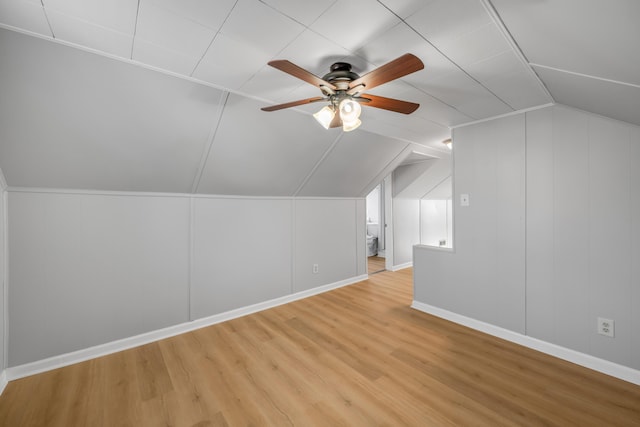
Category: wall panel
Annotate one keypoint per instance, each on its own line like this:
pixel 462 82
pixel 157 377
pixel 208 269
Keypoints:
pixel 325 234
pixel 634 185
pixel 89 269
pixel 3 266
pixel 242 253
pixel 540 319
pixel 570 223
pixel 609 285
pixel 484 275
pixel 582 232
pixel 406 229
pixel 361 236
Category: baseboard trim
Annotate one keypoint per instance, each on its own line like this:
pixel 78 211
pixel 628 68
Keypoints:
pixel 604 366
pixel 3 380
pixel 402 266
pixel 54 362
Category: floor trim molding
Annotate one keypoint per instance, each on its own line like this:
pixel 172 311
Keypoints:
pixel 54 362
pixel 3 380
pixel 402 266
pixel 604 366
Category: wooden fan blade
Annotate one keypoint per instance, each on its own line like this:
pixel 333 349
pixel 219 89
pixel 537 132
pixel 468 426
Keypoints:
pixel 291 68
pixel 390 104
pixel 293 104
pixel 395 69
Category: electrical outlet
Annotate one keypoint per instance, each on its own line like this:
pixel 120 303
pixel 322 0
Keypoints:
pixel 315 268
pixel 606 327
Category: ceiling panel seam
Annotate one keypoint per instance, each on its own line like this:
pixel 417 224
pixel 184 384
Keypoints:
pixel 294 19
pixel 46 16
pixel 392 164
pixel 440 100
pixel 500 116
pixel 135 30
pixel 448 59
pixel 317 165
pixel 588 76
pixel 495 17
pixel 224 97
pixel 435 186
pixel 213 39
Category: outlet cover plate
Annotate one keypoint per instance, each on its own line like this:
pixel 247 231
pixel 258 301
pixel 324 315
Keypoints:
pixel 606 327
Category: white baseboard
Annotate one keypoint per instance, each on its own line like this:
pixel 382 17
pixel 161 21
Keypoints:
pixel 402 266
pixel 66 359
pixel 606 367
pixel 3 380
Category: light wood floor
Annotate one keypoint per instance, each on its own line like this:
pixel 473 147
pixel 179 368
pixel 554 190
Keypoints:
pixel 375 264
pixel 356 356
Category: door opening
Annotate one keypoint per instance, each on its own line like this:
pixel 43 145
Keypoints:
pixel 375 230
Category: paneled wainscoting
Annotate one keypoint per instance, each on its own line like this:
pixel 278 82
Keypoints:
pixel 355 356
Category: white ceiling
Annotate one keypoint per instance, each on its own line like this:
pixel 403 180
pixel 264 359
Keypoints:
pixel 165 95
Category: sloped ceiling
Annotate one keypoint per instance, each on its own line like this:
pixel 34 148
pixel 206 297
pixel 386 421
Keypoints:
pixel 586 52
pixel 165 95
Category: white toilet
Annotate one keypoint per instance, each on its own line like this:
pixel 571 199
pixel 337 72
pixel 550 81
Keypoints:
pixel 372 245
pixel 372 239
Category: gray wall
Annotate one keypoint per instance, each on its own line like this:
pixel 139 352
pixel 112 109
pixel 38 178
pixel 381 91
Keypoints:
pixel 87 269
pixel 583 245
pixel 242 253
pixel 581 218
pixel 484 278
pixel 3 234
pixel 329 233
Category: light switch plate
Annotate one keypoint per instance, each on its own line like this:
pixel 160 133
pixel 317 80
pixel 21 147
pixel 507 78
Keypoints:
pixel 464 200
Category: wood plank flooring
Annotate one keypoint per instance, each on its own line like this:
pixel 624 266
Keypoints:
pixel 356 356
pixel 375 264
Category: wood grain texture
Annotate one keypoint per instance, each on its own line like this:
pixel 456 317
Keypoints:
pixel 375 264
pixel 399 67
pixel 355 356
pixel 397 105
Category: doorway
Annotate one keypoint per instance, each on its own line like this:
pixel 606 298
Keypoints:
pixel 375 230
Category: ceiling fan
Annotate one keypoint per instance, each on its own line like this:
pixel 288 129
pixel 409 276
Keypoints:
pixel 344 90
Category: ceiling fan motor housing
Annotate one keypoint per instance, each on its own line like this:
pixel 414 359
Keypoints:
pixel 340 75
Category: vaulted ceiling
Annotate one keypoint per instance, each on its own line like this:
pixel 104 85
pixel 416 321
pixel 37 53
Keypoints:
pixel 165 95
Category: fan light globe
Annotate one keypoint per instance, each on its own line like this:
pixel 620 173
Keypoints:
pixel 349 110
pixel 349 126
pixel 325 116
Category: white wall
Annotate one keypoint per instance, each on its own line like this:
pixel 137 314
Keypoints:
pixel 406 229
pixel 373 206
pixel 582 223
pixel 88 269
pixel 435 222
